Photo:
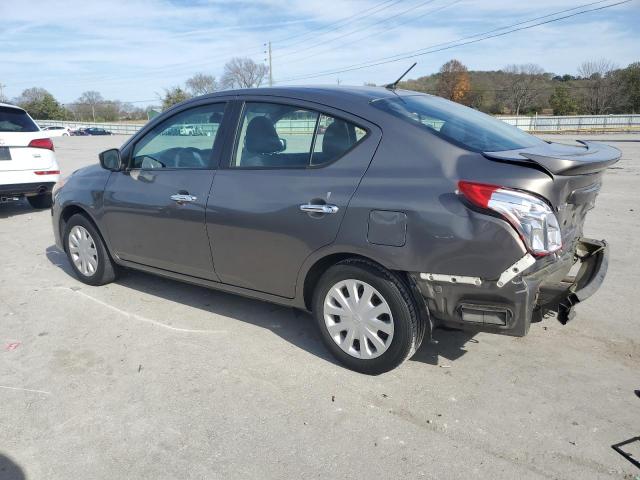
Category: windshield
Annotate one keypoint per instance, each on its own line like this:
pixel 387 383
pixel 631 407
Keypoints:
pixel 456 123
pixel 16 120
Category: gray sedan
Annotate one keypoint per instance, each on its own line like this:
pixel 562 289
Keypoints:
pixel 385 213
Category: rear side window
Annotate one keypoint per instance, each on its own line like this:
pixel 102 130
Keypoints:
pixel 16 120
pixel 456 123
pixel 284 136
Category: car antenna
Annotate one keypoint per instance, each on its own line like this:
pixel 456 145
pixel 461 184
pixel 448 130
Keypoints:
pixel 392 86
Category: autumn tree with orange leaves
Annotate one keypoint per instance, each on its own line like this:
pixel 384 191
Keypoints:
pixel 454 82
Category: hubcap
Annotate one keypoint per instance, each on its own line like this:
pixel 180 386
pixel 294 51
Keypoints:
pixel 83 251
pixel 358 319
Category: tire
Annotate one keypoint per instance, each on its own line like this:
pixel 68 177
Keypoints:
pixel 44 200
pixel 397 332
pixel 82 241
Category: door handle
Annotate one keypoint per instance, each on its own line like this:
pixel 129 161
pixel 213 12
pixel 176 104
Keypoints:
pixel 183 198
pixel 311 208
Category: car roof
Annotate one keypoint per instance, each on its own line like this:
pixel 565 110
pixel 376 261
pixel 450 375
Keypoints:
pixel 11 106
pixel 345 97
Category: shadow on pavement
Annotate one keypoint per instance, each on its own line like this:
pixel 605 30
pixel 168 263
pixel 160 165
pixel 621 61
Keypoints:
pixel 14 208
pixel 293 325
pixel 9 470
pixel 449 344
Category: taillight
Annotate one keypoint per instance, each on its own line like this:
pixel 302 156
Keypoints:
pixel 532 218
pixel 47 172
pixel 41 143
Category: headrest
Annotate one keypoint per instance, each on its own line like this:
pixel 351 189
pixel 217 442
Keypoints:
pixel 262 136
pixel 336 139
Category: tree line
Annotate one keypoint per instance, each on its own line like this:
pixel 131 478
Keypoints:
pixel 92 107
pixel 599 88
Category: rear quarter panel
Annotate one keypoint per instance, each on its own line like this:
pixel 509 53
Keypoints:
pixel 417 173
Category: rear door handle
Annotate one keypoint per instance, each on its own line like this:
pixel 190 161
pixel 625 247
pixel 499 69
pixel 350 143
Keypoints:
pixel 311 208
pixel 183 198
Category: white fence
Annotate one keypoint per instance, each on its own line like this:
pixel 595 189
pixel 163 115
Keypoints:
pixel 595 123
pixel 115 128
pixel 575 123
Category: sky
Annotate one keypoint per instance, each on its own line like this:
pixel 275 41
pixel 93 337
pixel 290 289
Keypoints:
pixel 132 50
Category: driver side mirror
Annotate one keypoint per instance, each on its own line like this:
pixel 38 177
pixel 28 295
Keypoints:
pixel 110 159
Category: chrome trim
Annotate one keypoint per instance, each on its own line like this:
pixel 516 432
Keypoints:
pixel 311 208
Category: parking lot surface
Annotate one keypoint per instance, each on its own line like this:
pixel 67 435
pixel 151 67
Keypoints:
pixel 148 378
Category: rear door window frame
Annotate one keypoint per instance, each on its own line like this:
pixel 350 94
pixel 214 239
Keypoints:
pixel 320 109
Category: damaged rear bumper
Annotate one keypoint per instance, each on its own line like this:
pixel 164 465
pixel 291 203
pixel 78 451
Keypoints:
pixel 524 293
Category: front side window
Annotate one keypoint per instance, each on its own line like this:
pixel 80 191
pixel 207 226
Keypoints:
pixel 185 140
pixel 284 136
pixel 460 125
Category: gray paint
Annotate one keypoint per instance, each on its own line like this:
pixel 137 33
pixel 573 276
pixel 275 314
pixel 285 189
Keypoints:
pixel 246 234
pixel 387 228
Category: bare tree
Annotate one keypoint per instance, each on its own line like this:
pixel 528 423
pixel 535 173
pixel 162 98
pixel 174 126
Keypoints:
pixel 243 73
pixel 453 81
pixel 88 101
pixel 521 87
pixel 600 91
pixel 201 84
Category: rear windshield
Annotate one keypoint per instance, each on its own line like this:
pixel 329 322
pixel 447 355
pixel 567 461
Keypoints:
pixel 15 120
pixel 456 123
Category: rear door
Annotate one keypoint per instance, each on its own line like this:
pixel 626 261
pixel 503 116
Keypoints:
pixel 155 209
pixel 284 189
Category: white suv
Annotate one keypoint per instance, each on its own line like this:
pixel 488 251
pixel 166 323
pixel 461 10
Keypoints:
pixel 28 165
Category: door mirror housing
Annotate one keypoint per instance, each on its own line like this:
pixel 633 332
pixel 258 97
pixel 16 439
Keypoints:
pixel 110 159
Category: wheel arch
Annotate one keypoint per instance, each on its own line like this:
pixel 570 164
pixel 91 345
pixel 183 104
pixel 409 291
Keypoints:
pixel 72 209
pixel 325 262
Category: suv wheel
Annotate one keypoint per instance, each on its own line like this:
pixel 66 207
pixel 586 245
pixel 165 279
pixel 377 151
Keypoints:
pixel 43 200
pixel 87 253
pixel 366 315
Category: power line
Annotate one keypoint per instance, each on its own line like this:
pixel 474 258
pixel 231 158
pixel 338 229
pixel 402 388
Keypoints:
pixel 384 20
pixel 412 19
pixel 336 25
pixel 498 29
pixel 458 43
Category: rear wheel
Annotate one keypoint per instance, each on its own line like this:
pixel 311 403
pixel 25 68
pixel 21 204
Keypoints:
pixel 43 200
pixel 87 253
pixel 367 316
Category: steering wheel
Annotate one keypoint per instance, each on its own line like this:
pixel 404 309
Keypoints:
pixel 189 157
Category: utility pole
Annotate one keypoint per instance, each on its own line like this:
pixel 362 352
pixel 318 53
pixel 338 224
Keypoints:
pixel 270 67
pixel 2 92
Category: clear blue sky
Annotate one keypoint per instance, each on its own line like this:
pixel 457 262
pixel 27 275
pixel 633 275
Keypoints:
pixel 133 49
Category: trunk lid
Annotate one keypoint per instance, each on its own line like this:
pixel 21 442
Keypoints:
pixel 23 157
pixel 560 159
pixel 576 173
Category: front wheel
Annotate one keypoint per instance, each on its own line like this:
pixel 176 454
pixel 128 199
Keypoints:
pixel 87 253
pixel 367 316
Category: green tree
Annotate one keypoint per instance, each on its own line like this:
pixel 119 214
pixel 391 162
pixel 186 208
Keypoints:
pixel 172 96
pixel 630 77
pixel 40 104
pixel 562 102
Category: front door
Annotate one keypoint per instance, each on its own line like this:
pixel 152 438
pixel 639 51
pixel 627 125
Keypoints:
pixel 155 209
pixel 284 190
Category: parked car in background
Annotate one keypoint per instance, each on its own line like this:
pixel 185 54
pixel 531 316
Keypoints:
pixel 404 213
pixel 96 131
pixel 28 166
pixel 78 132
pixel 57 131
